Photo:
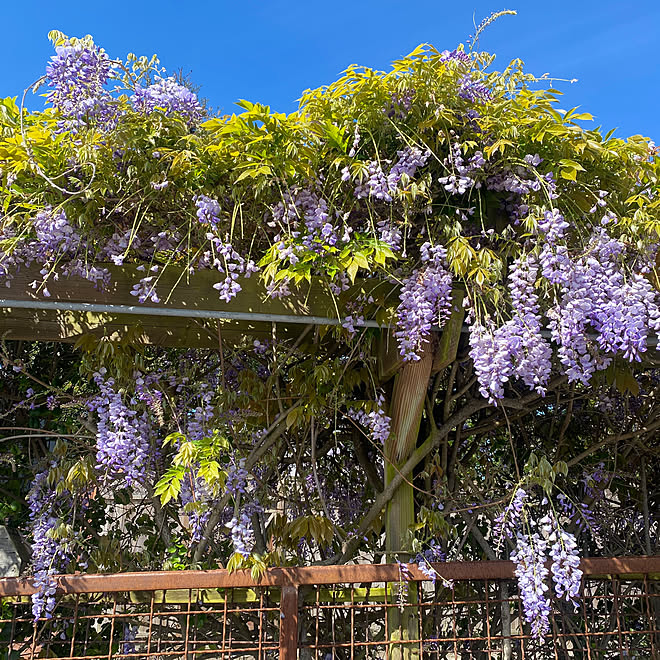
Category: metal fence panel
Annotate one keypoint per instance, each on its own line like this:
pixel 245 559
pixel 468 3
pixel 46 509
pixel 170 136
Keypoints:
pixel 334 613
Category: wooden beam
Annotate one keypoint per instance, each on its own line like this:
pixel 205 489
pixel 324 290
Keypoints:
pixel 184 296
pixel 171 332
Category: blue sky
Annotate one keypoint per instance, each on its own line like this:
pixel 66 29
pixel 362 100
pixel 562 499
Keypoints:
pixel 271 50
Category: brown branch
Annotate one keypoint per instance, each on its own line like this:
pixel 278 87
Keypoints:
pixel 613 439
pixel 417 456
pixel 360 447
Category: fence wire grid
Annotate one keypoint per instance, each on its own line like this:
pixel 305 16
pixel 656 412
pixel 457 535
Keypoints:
pixel 334 613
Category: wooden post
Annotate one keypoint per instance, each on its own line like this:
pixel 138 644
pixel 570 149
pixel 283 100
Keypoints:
pixel 289 623
pixel 406 407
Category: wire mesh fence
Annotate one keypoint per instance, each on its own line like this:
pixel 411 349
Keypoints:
pixel 334 613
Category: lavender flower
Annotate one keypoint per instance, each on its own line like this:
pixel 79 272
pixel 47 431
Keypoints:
pixel 195 497
pixel 166 95
pixel 78 73
pixel 374 184
pixel 400 104
pixel 507 522
pixel 122 437
pixel 376 421
pixel 242 534
pixel 208 210
pixel 316 231
pixel 455 56
pixel 410 160
pixel 425 300
pixel 516 349
pixel 565 570
pixel 236 478
pixel 145 290
pixel 49 555
pixel 578 514
pixel 597 295
pixel 473 90
pixel 460 179
pixel 529 558
pixel 226 260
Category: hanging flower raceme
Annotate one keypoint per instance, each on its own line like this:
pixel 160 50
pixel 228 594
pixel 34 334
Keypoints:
pixel 566 574
pixel 509 520
pixel 122 436
pixel 56 246
pixel 531 572
pixel 376 421
pixel 166 95
pixel 49 554
pixel 77 74
pixel 228 261
pixel 597 297
pixel 425 300
pixel 195 498
pixel 517 349
pixel 536 542
pixel 242 532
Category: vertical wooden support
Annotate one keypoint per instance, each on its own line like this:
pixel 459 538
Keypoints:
pixel 406 407
pixel 289 623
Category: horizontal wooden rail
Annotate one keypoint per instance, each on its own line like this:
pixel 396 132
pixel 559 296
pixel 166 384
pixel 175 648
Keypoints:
pixel 189 314
pixel 310 575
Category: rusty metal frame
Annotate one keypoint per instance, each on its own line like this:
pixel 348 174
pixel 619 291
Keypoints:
pixel 346 607
pixel 301 575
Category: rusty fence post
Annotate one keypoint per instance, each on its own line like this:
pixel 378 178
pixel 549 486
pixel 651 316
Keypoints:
pixel 289 622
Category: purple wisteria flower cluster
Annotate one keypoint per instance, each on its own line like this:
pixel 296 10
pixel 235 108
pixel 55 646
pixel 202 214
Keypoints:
pixel 227 261
pixel 516 349
pixel 531 572
pixel 400 104
pixel 55 246
pixel 237 477
pixel 425 559
pixel 536 543
pixel 376 421
pixel 565 567
pixel 195 498
pixel 49 555
pixel 473 90
pixel 77 74
pixel 578 514
pixel 425 300
pixel 376 184
pixel 461 176
pixel 122 436
pixel 200 413
pixel 118 245
pixel 208 210
pixel 508 521
pixel 597 311
pixel 304 216
pixel 145 289
pixel 596 298
pixel 166 95
pixel 242 532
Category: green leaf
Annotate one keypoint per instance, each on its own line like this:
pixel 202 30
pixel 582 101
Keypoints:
pixel 352 270
pixel 361 260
